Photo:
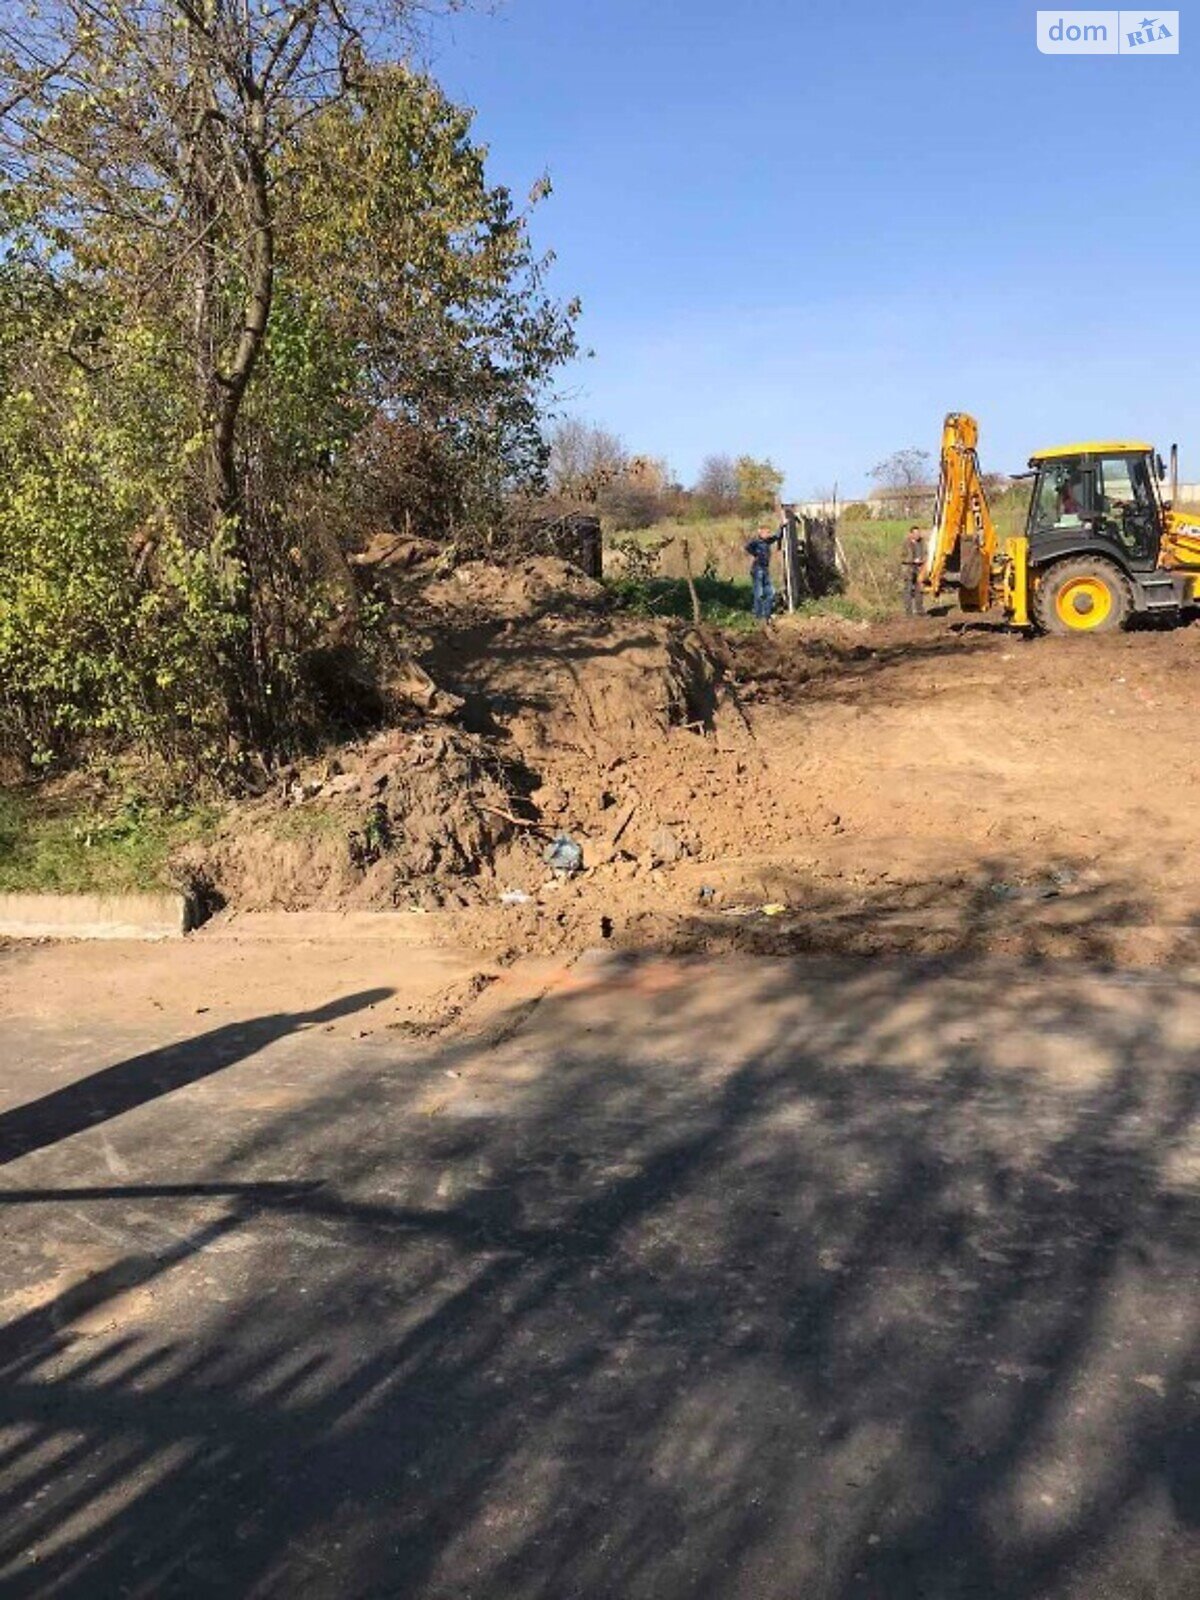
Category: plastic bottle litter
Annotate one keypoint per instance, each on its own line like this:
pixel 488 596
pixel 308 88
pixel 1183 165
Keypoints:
pixel 563 855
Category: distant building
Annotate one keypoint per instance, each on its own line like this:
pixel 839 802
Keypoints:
pixel 917 502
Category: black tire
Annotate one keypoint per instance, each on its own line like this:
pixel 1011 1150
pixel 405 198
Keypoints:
pixel 1085 594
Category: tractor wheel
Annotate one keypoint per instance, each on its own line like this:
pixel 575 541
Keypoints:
pixel 1086 595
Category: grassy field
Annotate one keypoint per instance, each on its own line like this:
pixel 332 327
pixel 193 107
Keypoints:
pixel 59 848
pixel 721 567
pixel 873 556
pixel 719 562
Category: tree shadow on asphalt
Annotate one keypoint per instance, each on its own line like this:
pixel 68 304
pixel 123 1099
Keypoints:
pixel 90 1101
pixel 834 1279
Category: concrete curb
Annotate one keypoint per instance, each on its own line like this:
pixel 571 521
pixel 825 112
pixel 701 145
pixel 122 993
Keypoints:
pixel 95 916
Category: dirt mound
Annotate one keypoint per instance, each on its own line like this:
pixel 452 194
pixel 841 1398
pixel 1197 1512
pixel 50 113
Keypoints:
pixel 936 786
pixel 933 786
pixel 521 724
pixel 530 588
pixel 629 732
pixel 597 686
pixel 408 819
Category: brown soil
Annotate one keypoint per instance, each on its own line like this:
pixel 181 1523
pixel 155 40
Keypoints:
pixel 557 717
pixel 236 974
pixel 931 786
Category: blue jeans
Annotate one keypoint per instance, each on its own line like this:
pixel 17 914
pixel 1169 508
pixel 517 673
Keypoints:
pixel 763 591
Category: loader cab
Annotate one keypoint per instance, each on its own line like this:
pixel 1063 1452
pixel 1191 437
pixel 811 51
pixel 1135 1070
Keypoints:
pixel 1098 498
pixel 1095 535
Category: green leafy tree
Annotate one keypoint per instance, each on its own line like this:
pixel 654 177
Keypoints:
pixel 145 133
pixel 235 256
pixel 759 485
pixel 422 274
pixel 113 625
pixel 143 136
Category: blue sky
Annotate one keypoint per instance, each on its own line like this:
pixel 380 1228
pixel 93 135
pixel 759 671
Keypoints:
pixel 809 231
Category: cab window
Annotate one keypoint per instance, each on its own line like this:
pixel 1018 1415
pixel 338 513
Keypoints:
pixel 1063 496
pixel 1127 504
pixel 1126 482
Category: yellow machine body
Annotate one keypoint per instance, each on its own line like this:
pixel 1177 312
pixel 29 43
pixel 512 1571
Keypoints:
pixel 1014 581
pixel 1099 546
pixel 963 541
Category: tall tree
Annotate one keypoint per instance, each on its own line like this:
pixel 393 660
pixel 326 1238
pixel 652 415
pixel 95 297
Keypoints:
pixel 246 270
pixel 148 128
pixel 759 485
pixel 584 459
pixel 717 485
pixel 905 474
pixel 141 134
pixel 421 274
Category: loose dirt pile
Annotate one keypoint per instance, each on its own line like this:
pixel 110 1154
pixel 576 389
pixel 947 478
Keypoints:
pixel 536 713
pixel 907 786
pixel 412 817
pixel 479 592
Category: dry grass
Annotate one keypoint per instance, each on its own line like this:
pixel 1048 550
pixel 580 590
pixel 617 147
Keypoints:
pixel 717 547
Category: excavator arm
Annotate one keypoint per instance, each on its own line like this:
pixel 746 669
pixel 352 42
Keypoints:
pixel 962 546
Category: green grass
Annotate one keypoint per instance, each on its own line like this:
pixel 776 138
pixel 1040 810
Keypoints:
pixel 725 601
pixel 872 549
pixel 719 560
pixel 309 823
pixel 873 582
pixel 54 848
pixel 715 543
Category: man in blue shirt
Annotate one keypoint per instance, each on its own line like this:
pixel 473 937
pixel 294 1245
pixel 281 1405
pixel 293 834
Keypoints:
pixel 762 589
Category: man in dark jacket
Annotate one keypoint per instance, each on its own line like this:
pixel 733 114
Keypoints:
pixel 763 590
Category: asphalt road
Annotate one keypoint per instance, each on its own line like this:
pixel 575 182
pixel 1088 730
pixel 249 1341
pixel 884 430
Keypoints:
pixel 772 1280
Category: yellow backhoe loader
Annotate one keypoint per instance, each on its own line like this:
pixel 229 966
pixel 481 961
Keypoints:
pixel 1101 545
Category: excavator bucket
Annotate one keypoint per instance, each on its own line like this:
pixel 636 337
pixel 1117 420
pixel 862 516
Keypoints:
pixel 962 545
